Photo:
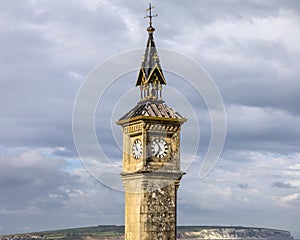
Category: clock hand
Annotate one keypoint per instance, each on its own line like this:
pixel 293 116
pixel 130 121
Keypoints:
pixel 159 147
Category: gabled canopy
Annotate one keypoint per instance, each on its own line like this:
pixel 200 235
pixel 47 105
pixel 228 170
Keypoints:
pixel 148 110
pixel 150 69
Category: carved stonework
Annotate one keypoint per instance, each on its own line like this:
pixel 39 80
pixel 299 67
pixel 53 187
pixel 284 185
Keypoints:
pixel 158 208
pixel 151 205
pixel 133 128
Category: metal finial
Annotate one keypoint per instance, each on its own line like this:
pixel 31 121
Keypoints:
pixel 150 16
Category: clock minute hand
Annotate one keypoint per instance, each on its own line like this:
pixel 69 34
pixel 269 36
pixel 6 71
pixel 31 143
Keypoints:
pixel 159 147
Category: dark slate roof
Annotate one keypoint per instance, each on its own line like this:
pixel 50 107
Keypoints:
pixel 152 109
pixel 150 63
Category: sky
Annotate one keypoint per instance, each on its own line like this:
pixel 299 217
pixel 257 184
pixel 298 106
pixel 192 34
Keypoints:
pixel 249 48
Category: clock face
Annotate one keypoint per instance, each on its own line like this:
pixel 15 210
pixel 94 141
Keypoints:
pixel 137 148
pixel 159 148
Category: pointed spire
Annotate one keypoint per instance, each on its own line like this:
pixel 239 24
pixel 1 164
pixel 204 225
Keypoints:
pixel 150 63
pixel 150 77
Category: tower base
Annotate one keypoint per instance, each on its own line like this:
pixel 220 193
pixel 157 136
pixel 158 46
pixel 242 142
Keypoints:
pixel 150 205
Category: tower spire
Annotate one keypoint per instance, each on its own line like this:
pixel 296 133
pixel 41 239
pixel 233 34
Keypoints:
pixel 150 77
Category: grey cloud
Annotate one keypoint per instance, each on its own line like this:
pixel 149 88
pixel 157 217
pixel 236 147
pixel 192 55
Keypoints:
pixel 79 18
pixel 31 179
pixel 37 87
pixel 266 69
pixel 260 68
pixel 53 81
pixel 34 186
pixel 282 185
pixel 243 186
pixel 265 129
pixel 189 14
pixel 26 45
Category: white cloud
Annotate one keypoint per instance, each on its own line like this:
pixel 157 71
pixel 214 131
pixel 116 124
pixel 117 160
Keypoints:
pixel 283 27
pixel 292 200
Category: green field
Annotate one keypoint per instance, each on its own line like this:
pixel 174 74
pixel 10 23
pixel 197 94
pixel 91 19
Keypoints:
pixel 76 233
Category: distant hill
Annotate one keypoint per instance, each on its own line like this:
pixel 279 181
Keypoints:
pixel 223 232
pixel 113 232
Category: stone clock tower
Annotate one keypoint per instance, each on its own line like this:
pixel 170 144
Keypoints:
pixel 151 155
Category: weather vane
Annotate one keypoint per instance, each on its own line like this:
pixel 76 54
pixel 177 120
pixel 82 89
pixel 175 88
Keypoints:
pixel 150 16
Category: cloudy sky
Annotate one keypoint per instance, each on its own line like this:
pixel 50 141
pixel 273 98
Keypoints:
pixel 250 49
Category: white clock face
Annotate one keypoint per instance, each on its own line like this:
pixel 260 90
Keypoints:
pixel 137 148
pixel 159 148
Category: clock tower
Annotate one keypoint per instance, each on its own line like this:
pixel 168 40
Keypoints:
pixel 151 155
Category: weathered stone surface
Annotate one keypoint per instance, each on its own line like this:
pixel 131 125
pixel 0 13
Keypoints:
pixel 150 213
pixel 160 213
